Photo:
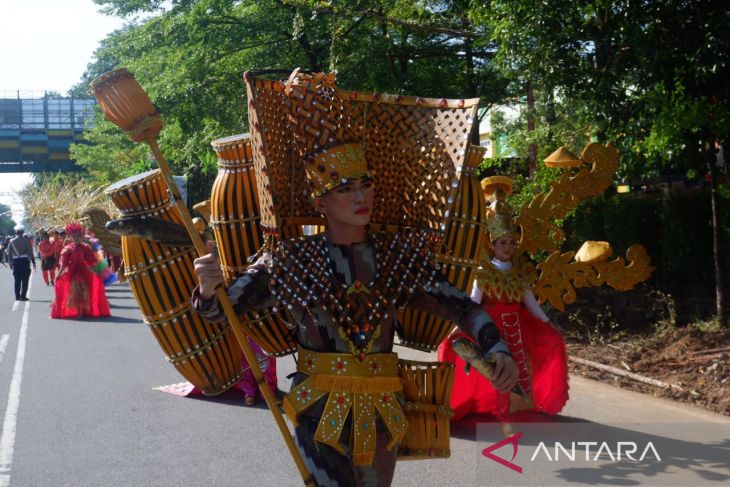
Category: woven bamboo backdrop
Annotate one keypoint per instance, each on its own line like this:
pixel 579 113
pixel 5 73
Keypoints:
pixel 458 256
pixel 414 146
pixel 416 149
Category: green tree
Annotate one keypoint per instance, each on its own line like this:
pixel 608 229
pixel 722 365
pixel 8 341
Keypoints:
pixel 6 220
pixel 651 77
pixel 107 156
pixel 190 55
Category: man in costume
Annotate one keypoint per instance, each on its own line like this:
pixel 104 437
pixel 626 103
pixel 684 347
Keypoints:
pixel 47 252
pixel 20 256
pixel 342 288
pixel 79 292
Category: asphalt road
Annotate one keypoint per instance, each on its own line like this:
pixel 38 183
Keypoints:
pixel 78 409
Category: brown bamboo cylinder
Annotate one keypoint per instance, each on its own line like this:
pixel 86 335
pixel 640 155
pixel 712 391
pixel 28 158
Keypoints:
pixel 235 219
pixel 427 390
pixel 162 280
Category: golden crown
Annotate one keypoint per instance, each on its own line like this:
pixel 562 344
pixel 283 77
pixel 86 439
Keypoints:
pixel 334 166
pixel 499 212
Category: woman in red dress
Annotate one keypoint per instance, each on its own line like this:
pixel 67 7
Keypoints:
pixel 79 292
pixel 503 288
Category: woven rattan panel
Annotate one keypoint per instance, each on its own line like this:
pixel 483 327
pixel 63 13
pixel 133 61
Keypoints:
pixel 283 189
pixel 96 219
pixel 414 147
pixel 413 152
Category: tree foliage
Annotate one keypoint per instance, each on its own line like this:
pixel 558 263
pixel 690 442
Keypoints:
pixel 650 76
pixel 6 220
pixel 190 55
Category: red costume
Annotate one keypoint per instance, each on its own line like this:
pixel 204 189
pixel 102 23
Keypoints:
pixel 57 246
pixel 79 292
pixel 503 288
pixel 47 251
pixel 539 352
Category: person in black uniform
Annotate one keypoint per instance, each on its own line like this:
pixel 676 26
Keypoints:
pixel 20 256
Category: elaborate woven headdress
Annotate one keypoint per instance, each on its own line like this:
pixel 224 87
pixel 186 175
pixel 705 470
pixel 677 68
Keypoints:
pixel 74 229
pixel 499 212
pixel 414 148
pixel 324 136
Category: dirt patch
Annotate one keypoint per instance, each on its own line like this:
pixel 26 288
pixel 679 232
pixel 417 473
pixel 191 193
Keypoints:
pixel 694 364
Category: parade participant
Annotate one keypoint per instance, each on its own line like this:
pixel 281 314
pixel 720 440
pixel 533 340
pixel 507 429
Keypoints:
pixel 57 241
pixel 342 288
pixel 20 257
pixel 504 290
pixel 47 252
pixel 79 292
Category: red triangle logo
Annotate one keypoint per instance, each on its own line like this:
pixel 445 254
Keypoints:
pixel 487 452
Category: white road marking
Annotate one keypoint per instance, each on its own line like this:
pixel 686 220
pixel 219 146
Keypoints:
pixel 10 421
pixel 3 345
pixel 15 306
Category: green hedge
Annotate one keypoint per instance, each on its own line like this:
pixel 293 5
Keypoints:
pixel 675 228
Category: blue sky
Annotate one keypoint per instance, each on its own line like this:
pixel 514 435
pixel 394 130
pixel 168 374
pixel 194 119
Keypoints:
pixel 47 45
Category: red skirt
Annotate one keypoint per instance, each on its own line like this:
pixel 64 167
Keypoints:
pixel 81 295
pixel 539 352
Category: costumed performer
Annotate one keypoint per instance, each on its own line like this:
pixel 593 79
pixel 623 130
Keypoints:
pixel 58 245
pixel 47 252
pixel 342 288
pixel 79 292
pixel 503 288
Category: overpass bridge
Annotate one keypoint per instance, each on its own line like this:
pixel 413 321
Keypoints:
pixel 36 130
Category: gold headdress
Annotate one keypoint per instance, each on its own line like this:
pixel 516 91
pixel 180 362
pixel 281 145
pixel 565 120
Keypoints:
pixel 324 136
pixel 499 212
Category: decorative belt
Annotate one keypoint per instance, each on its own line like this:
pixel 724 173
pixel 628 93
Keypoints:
pixel 361 386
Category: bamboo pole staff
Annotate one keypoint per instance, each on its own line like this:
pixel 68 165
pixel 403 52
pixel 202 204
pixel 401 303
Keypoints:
pixel 126 104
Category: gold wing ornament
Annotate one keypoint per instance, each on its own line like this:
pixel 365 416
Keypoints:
pixel 537 218
pixel 561 273
pixel 625 277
